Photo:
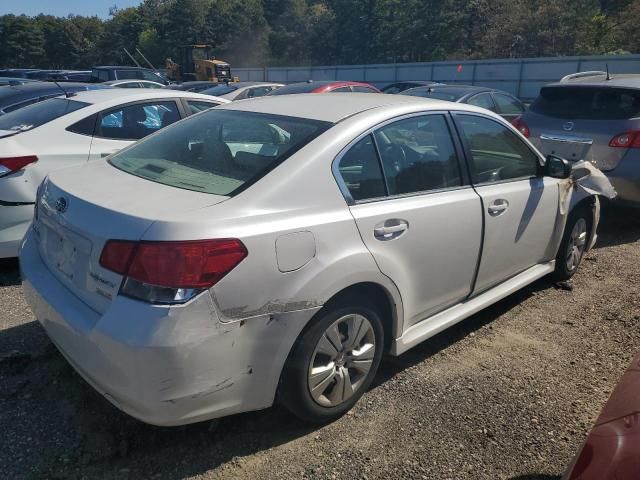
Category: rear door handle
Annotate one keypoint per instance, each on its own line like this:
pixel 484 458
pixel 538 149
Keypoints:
pixel 498 207
pixel 390 229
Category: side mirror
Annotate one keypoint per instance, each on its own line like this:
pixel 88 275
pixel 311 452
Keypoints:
pixel 557 167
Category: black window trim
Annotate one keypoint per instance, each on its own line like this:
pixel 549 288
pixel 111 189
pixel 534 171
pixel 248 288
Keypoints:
pixel 465 174
pixel 101 114
pixel 468 155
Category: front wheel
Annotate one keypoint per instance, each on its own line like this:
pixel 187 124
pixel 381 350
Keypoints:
pixel 332 363
pixel 574 244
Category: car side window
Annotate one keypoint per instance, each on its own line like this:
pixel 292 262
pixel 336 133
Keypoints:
pixel 360 171
pixel 152 77
pixel 482 100
pixel 126 74
pixel 360 89
pixel 507 105
pixel 129 85
pixel 497 154
pixel 196 106
pixel 418 155
pixel 258 92
pixel 85 126
pixel 341 90
pixel 136 121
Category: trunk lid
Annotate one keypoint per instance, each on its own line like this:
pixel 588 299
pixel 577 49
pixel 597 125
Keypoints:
pixel 81 208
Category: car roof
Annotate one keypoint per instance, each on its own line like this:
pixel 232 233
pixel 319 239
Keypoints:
pixel 135 94
pixel 333 107
pixel 252 84
pixel 37 88
pixel 630 80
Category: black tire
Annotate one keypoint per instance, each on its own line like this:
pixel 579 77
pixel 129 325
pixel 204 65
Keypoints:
pixel 563 271
pixel 294 392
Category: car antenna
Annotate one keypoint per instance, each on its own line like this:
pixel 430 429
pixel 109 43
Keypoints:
pixel 66 94
pixel 608 75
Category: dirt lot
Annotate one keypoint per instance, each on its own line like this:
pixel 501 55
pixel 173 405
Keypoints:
pixel 510 393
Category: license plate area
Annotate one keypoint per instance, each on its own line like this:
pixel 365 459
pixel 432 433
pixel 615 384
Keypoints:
pixel 66 253
pixel 565 146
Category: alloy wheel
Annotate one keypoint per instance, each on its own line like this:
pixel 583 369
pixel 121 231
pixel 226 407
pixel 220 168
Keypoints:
pixel 341 360
pixel 576 245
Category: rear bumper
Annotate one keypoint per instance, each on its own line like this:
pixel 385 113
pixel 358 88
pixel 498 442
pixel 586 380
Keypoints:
pixel 163 365
pixel 14 223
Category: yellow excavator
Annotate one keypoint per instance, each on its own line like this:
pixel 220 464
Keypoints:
pixel 196 63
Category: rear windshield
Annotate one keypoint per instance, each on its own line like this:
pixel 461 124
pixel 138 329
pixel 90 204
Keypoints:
pixel 38 114
pixel 588 103
pixel 219 90
pixel 439 94
pixel 220 152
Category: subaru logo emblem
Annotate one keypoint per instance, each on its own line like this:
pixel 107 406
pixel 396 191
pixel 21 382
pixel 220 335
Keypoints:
pixel 568 126
pixel 61 205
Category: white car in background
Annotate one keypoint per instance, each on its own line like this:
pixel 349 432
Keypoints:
pixel 67 131
pixel 277 247
pixel 134 84
pixel 242 90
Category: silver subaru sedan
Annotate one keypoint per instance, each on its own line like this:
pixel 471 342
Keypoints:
pixel 274 249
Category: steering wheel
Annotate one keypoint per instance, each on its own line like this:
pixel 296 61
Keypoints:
pixel 396 154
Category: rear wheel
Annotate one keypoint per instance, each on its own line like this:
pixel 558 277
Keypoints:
pixel 332 363
pixel 574 243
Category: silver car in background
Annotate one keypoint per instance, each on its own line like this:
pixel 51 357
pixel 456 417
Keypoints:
pixel 595 117
pixel 275 248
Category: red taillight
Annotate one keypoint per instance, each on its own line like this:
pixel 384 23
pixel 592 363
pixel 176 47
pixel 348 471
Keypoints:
pixel 522 127
pixel 626 140
pixel 190 264
pixel 12 164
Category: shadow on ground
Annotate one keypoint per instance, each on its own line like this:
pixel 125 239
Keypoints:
pixel 41 394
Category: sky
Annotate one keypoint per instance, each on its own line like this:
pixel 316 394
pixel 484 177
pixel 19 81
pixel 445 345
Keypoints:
pixel 62 8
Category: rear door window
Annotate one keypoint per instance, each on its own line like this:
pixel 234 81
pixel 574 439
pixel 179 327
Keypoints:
pixel 588 102
pixel 136 121
pixel 418 155
pixel 341 90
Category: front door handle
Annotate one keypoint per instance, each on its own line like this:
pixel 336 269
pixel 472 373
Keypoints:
pixel 498 207
pixel 390 229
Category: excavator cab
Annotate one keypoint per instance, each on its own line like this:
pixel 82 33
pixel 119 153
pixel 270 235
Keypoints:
pixel 197 63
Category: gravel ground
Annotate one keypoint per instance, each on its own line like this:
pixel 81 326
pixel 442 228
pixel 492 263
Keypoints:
pixel 507 394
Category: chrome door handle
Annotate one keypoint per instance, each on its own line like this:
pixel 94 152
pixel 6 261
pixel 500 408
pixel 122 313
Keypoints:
pixel 498 207
pixel 390 229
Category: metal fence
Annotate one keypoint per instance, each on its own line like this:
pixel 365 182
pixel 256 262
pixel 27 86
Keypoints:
pixel 522 77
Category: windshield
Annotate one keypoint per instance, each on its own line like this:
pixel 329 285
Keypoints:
pixel 33 116
pixel 220 152
pixel 588 103
pixel 438 94
pixel 219 90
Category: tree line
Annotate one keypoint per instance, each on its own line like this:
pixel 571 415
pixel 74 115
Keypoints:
pixel 325 32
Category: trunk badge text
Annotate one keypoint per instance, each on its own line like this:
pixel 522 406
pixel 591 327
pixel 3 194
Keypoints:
pixel 61 205
pixel 568 126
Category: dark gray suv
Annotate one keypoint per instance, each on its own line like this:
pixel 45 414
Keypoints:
pixel 594 117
